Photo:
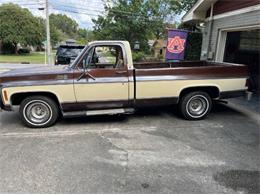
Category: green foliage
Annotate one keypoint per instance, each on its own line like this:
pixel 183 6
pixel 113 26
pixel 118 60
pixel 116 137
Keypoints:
pixel 62 27
pixel 193 46
pixel 8 48
pixel 138 56
pixel 24 51
pixel 18 25
pixel 55 33
pixel 194 41
pixel 184 5
pixel 64 23
pixel 132 20
pixel 84 36
pixel 137 20
pixel 32 58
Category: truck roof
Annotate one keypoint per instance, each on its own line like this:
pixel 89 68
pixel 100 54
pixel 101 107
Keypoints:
pixel 110 41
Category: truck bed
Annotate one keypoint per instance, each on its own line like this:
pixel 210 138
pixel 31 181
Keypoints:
pixel 152 65
pixel 190 69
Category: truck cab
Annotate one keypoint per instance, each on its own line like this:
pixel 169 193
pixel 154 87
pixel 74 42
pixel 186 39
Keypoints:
pixel 102 75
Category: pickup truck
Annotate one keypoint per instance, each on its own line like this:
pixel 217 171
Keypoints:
pixel 104 80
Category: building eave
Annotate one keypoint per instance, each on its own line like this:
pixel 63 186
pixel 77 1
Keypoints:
pixel 198 11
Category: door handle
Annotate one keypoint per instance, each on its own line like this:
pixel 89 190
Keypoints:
pixel 121 72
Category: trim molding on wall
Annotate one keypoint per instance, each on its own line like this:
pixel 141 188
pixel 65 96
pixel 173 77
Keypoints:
pixel 222 36
pixel 236 12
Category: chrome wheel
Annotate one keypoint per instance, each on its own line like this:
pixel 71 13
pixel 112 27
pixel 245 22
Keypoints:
pixel 197 106
pixel 37 112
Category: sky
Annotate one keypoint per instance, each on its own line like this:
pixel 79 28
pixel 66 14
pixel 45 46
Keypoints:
pixel 83 11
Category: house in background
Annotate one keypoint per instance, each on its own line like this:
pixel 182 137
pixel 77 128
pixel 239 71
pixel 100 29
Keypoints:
pixel 231 32
pixel 159 48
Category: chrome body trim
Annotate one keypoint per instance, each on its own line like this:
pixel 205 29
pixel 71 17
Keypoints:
pixel 99 80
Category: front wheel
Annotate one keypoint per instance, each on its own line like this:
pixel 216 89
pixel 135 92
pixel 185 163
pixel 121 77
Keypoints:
pixel 38 111
pixel 195 105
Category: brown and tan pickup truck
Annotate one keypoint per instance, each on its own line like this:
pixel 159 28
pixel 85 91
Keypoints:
pixel 104 80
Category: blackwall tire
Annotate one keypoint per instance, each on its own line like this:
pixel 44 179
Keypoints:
pixel 195 105
pixel 38 112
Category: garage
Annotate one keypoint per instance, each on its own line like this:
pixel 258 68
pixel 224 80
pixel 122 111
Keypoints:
pixel 243 47
pixel 231 33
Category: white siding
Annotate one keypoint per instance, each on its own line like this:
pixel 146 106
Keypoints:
pixel 246 19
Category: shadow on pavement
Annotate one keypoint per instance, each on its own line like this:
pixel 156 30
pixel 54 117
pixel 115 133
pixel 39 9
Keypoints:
pixel 240 180
pixel 218 108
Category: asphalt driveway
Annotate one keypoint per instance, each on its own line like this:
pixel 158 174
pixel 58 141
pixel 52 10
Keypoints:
pixel 152 151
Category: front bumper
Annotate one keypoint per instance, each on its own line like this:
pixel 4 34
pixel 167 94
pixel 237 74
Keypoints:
pixel 1 101
pixel 2 106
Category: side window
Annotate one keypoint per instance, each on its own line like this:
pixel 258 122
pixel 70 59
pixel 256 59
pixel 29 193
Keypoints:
pixel 104 57
pixel 87 59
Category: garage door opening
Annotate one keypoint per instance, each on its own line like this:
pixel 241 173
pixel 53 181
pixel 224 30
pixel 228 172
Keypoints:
pixel 243 47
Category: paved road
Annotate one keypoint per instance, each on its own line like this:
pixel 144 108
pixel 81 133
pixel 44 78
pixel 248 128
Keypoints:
pixel 153 151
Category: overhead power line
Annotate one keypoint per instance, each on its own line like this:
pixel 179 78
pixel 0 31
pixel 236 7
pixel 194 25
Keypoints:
pixel 98 10
pixel 18 1
pixel 84 6
pixel 77 12
pixel 23 4
pixel 77 8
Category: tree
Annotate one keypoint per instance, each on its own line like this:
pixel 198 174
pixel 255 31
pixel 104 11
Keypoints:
pixel 137 20
pixel 18 25
pixel 185 5
pixel 64 23
pixel 63 27
pixel 84 36
pixel 55 33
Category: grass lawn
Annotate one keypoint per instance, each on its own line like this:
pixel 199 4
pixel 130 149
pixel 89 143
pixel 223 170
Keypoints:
pixel 32 58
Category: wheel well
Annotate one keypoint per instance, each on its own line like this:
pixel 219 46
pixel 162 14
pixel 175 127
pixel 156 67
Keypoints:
pixel 17 98
pixel 211 90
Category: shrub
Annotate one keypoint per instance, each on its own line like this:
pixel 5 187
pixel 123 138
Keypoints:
pixel 24 51
pixel 193 46
pixel 7 48
pixel 138 56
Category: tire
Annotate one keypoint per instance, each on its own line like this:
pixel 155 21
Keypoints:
pixel 195 105
pixel 38 112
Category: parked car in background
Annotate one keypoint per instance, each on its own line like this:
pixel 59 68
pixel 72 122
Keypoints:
pixel 67 53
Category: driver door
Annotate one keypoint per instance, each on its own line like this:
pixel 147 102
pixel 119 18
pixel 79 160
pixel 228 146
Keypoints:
pixel 101 80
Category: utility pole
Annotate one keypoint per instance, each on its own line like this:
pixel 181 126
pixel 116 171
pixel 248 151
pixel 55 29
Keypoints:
pixel 48 43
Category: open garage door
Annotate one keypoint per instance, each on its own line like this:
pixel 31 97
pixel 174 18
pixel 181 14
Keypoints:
pixel 243 47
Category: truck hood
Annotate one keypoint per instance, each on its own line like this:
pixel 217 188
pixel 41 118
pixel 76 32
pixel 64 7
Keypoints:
pixel 33 70
pixel 34 73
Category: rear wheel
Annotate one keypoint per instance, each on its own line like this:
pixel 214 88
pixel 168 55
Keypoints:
pixel 195 105
pixel 38 111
